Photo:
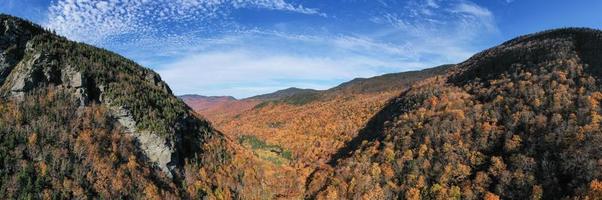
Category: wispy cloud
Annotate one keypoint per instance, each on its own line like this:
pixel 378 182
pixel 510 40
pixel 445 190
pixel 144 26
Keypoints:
pixel 443 28
pixel 481 14
pixel 101 22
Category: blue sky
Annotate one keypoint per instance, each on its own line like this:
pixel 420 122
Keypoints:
pixel 248 47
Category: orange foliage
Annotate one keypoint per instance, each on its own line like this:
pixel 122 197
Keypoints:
pixel 491 196
pixel 313 131
pixel 595 190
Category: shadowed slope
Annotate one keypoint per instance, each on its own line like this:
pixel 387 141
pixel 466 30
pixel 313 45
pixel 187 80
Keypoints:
pixel 517 121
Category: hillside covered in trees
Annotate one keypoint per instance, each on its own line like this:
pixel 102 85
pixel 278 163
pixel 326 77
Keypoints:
pixel 518 121
pixel 80 122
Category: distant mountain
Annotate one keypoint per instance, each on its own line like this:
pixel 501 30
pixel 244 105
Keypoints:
pixel 517 121
pixel 282 94
pixel 387 82
pixel 306 112
pixel 383 83
pixel 313 126
pixel 207 98
pixel 219 107
pixel 213 107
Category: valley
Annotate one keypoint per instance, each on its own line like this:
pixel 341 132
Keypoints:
pixel 520 120
pixel 309 125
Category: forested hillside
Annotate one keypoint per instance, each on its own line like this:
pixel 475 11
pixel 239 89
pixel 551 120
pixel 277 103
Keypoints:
pixel 518 121
pixel 80 122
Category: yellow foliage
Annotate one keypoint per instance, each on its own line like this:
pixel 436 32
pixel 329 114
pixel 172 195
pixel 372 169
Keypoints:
pixel 43 168
pixel 132 164
pixel 32 139
pixel 152 192
pixel 314 131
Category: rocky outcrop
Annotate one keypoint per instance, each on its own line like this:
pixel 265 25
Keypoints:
pixel 158 149
pixel 155 80
pixel 14 35
pixel 38 69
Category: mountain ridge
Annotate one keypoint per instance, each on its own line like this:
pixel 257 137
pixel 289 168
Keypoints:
pixel 82 122
pixel 387 81
pixel 211 106
pixel 281 94
pixel 349 85
pixel 192 96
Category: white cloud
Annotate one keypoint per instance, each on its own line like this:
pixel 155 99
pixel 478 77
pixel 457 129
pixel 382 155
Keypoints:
pixel 472 9
pixel 448 29
pixel 243 73
pixel 246 65
pixel 369 45
pixel 99 22
pixel 432 3
pixel 476 12
pixel 277 5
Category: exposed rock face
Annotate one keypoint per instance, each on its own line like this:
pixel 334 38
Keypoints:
pixel 40 69
pixel 156 148
pixel 36 70
pixel 14 34
pixel 154 79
